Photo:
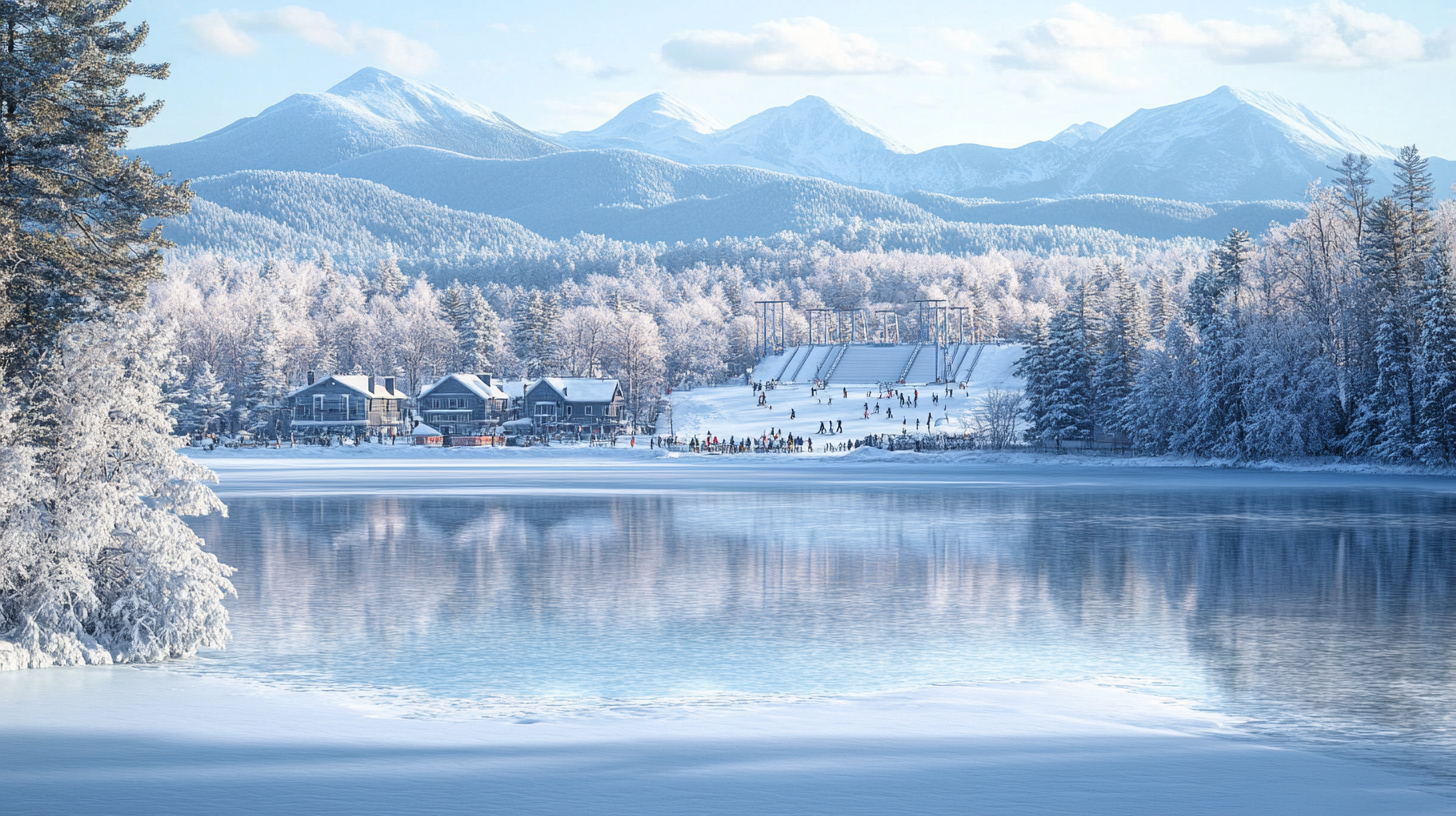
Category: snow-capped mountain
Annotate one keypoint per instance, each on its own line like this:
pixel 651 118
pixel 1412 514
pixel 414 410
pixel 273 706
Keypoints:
pixel 659 124
pixel 371 110
pixel 809 138
pixel 1079 135
pixel 1230 144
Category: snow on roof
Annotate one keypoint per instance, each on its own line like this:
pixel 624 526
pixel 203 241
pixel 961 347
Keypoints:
pixel 424 430
pixel 582 389
pixel 360 383
pixel 476 385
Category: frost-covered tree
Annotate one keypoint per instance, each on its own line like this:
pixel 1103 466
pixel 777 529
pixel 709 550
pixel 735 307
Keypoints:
pixel 1034 370
pixel 388 280
pixel 96 565
pixel 1122 347
pixel 1436 442
pixel 1165 396
pixel 1217 310
pixel 1069 399
pixel 208 404
pixel 266 383
pixel 637 361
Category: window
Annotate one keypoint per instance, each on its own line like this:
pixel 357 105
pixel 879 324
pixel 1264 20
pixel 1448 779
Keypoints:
pixel 568 410
pixel 546 409
pixel 588 410
pixel 318 405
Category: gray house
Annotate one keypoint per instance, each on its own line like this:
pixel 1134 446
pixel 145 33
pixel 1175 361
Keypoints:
pixel 575 404
pixel 462 404
pixel 348 403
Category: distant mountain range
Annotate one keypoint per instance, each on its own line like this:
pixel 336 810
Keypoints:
pixel 661 171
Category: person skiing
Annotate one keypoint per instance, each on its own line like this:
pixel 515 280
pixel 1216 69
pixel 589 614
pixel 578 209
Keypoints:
pixel 821 427
pixel 841 427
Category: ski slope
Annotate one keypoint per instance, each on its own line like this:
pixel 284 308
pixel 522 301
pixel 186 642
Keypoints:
pixel 733 410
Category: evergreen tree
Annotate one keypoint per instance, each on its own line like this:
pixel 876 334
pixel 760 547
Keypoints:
pixel 209 402
pixel 1071 337
pixel 388 280
pixel 73 209
pixel 535 333
pixel 1034 369
pixel 267 381
pixel 1165 395
pixel 1217 310
pixel 1162 307
pixel 1437 366
pixel 484 333
pixel 1412 193
pixel 1122 347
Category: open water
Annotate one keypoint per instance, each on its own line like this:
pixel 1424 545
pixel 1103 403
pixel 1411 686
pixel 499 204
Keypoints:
pixel 1321 609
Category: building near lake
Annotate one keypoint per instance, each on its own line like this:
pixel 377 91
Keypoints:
pixel 575 405
pixel 463 404
pixel 348 403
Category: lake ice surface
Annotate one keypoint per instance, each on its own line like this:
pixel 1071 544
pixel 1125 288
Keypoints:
pixel 1315 610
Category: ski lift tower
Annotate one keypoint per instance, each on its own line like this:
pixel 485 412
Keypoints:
pixel 818 326
pixel 889 326
pixel 934 317
pixel 771 326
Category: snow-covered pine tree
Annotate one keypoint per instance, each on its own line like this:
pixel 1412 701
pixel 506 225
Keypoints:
pixel 1165 395
pixel 208 404
pixel 1162 306
pixel 1216 305
pixel 1122 346
pixel 266 383
pixel 1436 433
pixel 485 331
pixel 1072 336
pixel 1034 369
pixel 388 280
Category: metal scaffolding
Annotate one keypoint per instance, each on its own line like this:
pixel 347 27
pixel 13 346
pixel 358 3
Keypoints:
pixel 771 326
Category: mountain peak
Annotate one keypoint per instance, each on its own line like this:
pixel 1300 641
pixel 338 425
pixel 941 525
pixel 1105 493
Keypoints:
pixel 366 79
pixel 1079 135
pixel 658 110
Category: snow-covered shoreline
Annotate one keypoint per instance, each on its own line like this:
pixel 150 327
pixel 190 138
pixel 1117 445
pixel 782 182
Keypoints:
pixel 124 740
pixel 554 455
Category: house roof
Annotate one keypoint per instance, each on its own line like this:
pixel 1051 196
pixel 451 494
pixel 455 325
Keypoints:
pixel 359 383
pixel 476 385
pixel 582 389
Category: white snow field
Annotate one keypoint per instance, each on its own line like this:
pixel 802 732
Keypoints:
pixel 733 410
pixel 150 741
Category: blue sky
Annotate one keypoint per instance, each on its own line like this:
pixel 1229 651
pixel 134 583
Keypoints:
pixel 926 73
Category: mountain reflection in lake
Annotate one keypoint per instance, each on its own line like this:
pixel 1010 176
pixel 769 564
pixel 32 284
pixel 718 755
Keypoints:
pixel 1321 614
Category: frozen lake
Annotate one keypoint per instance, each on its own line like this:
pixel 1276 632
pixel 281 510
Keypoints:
pixel 627 632
pixel 1319 607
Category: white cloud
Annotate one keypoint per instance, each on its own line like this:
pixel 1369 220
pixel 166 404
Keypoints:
pixel 1081 48
pixel 230 33
pixel 804 45
pixel 579 63
pixel 214 33
pixel 1330 34
pixel 1084 48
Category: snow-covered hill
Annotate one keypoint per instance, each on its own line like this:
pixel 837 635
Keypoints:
pixel 371 110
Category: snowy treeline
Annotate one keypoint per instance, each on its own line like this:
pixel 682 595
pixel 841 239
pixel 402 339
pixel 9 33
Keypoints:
pixel 1333 335
pixel 251 330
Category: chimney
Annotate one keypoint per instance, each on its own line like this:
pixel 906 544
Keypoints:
pixel 485 378
pixel 310 378
pixel 565 392
pixel 389 384
pixel 371 385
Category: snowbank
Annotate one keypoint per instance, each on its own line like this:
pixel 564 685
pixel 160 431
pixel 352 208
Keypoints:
pixel 148 741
